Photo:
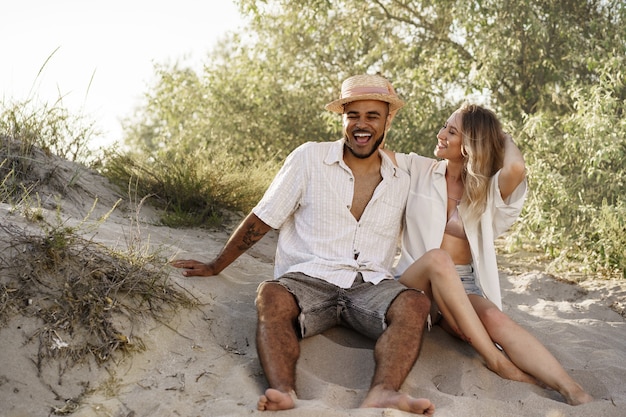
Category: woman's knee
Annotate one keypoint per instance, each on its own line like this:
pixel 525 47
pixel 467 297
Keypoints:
pixel 438 258
pixel 493 318
pixel 435 264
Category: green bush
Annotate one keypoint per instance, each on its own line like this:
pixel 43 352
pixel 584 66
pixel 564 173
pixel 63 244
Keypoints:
pixel 195 188
pixel 553 74
pixel 577 175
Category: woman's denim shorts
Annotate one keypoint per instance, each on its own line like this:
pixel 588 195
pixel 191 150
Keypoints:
pixel 468 278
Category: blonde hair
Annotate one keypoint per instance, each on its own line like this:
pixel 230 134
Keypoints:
pixel 483 148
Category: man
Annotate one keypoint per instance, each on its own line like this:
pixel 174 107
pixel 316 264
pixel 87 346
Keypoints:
pixel 339 208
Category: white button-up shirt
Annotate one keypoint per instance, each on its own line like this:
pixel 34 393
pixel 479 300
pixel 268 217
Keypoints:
pixel 309 202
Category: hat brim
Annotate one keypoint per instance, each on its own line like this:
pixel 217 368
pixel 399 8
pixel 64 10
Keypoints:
pixel 337 106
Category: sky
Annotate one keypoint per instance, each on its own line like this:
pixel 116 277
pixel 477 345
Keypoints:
pixel 105 50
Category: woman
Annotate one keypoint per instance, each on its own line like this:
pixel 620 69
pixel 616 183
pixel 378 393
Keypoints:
pixel 457 206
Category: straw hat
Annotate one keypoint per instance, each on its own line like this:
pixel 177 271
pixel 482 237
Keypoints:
pixel 366 87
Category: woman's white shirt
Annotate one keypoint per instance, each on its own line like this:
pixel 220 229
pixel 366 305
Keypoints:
pixel 426 218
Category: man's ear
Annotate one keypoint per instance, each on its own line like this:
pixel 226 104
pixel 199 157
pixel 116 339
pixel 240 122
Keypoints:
pixel 390 117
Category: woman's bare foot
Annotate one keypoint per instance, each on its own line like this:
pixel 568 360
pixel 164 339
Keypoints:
pixel 379 397
pixel 576 396
pixel 274 399
pixel 507 370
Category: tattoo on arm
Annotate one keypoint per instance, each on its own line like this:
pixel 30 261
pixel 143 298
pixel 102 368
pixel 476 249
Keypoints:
pixel 252 236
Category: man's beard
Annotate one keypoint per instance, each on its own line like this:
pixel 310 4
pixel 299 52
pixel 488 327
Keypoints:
pixel 374 148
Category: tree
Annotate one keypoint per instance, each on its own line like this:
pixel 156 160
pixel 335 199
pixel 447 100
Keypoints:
pixel 536 63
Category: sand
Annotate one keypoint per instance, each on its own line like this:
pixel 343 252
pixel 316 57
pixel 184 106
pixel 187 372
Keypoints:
pixel 202 361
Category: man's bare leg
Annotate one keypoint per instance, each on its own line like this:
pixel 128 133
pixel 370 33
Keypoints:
pixel 277 346
pixel 395 353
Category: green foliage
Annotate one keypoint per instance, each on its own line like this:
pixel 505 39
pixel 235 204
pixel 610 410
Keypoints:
pixel 316 45
pixel 553 71
pixel 199 147
pixel 194 187
pixel 173 112
pixel 578 177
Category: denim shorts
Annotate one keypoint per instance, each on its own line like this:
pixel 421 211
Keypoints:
pixel 468 278
pixel 323 305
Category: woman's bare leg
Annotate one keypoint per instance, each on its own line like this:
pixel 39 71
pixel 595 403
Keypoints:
pixel 436 275
pixel 528 353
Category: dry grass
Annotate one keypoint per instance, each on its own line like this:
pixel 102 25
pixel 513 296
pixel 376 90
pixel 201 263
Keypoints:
pixel 82 292
pixel 88 302
pixel 87 296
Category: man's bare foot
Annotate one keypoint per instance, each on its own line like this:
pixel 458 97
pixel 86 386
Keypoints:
pixel 379 397
pixel 274 399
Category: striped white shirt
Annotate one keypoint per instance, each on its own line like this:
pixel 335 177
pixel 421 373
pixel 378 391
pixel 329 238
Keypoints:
pixel 309 202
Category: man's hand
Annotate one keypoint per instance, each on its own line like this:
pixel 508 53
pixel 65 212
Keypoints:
pixel 195 268
pixel 250 231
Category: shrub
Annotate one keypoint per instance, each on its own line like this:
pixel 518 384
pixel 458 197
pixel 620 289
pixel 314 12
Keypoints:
pixel 194 188
pixel 575 212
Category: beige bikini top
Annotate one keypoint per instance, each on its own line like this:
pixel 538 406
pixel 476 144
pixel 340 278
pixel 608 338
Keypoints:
pixel 454 225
